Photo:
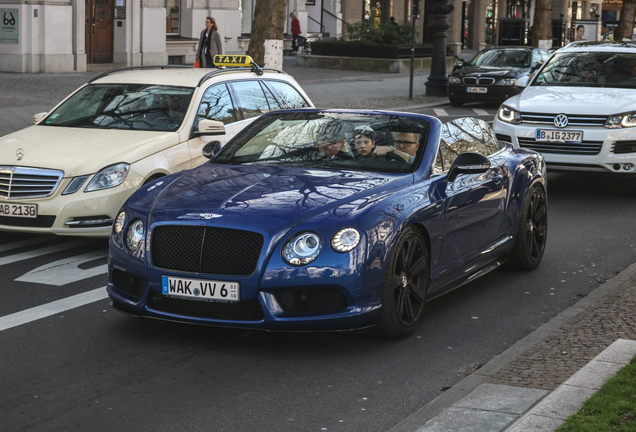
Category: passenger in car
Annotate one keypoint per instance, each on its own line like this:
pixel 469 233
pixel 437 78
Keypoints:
pixel 364 141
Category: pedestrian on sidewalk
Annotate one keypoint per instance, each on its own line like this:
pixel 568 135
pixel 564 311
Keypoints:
pixel 209 43
pixel 295 30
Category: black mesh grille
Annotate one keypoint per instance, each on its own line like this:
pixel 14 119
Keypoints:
pixel 241 311
pixel 311 301
pixel 38 222
pixel 206 249
pixel 128 283
pixel 621 147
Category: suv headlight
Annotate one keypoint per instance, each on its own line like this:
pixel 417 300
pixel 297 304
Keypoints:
pixel 618 121
pixel 302 248
pixel 507 82
pixel 109 177
pixel 509 115
pixel 454 80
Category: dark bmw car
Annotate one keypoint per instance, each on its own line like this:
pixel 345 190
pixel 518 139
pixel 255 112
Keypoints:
pixel 491 77
pixel 327 220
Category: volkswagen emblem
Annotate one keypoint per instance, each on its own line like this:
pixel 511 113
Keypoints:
pixel 19 153
pixel 561 121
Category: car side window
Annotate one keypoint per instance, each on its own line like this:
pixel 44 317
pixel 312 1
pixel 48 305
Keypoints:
pixel 273 103
pixel 467 134
pixel 251 98
pixel 216 104
pixel 288 95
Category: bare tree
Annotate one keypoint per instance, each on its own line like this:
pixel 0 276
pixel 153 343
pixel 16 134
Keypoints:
pixel 268 24
pixel 542 26
pixel 626 21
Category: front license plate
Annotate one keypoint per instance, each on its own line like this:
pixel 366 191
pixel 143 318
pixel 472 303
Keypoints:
pixel 476 90
pixel 559 136
pixel 199 289
pixel 19 210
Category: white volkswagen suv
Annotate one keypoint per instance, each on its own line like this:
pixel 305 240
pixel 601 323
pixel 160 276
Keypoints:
pixel 579 111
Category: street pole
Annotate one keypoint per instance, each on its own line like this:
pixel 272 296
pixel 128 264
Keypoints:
pixel 415 14
pixel 437 83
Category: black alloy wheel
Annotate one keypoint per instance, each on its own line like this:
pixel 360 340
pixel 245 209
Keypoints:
pixel 405 286
pixel 532 233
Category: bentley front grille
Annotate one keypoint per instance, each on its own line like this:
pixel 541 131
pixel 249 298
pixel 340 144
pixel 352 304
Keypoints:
pixel 21 182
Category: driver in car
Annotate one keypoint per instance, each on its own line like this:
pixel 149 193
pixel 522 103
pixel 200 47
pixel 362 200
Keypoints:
pixel 405 145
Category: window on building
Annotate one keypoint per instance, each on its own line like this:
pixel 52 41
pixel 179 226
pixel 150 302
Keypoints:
pixel 517 8
pixel 173 16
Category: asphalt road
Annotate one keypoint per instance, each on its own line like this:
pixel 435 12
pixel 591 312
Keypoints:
pixel 91 368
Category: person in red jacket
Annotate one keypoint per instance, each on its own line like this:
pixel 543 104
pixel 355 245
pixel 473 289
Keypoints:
pixel 295 30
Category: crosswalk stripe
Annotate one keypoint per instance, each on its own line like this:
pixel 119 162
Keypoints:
pixel 42 251
pixel 480 111
pixel 52 308
pixel 440 112
pixel 21 243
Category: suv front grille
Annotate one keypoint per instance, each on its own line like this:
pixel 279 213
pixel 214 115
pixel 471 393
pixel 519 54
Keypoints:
pixel 573 119
pixel 21 182
pixel 585 148
pixel 479 81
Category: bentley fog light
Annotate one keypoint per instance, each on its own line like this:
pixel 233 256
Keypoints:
pixel 134 235
pixel 302 248
pixel 345 240
pixel 118 226
pixel 109 177
pixel 509 115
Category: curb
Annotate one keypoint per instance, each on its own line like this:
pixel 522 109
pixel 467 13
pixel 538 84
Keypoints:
pixel 470 383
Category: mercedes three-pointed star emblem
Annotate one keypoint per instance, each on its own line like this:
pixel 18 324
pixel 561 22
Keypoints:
pixel 19 153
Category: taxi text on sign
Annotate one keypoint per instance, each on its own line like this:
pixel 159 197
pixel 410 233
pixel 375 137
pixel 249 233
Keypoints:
pixel 9 25
pixel 232 60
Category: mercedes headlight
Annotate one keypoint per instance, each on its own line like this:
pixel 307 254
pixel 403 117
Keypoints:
pixel 134 235
pixel 302 248
pixel 509 115
pixel 618 121
pixel 454 80
pixel 345 240
pixel 109 177
pixel 507 82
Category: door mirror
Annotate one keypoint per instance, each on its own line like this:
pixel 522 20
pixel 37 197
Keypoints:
pixel 37 118
pixel 211 149
pixel 468 163
pixel 460 64
pixel 209 127
pixel 522 82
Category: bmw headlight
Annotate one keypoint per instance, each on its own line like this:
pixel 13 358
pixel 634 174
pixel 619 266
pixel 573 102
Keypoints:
pixel 454 80
pixel 134 235
pixel 509 115
pixel 618 121
pixel 118 226
pixel 507 82
pixel 302 248
pixel 345 240
pixel 109 177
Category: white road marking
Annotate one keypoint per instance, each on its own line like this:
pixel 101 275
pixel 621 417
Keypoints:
pixel 440 112
pixel 42 251
pixel 18 244
pixel 48 309
pixel 480 111
pixel 66 271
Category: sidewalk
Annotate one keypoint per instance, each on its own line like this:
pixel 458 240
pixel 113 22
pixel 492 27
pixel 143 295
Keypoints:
pixel 532 386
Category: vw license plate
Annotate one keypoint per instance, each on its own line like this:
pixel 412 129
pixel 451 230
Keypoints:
pixel 19 210
pixel 199 289
pixel 476 90
pixel 559 136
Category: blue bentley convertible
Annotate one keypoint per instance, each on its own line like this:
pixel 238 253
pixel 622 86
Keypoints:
pixel 326 220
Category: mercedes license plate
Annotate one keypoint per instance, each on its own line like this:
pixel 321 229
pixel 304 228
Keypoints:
pixel 476 89
pixel 199 289
pixel 559 136
pixel 19 210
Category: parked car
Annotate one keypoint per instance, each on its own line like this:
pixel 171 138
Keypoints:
pixel 580 109
pixel 279 232
pixel 70 173
pixel 493 74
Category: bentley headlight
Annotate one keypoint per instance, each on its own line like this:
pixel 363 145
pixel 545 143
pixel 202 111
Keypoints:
pixel 345 240
pixel 509 115
pixel 302 248
pixel 617 121
pixel 454 80
pixel 118 226
pixel 109 177
pixel 507 82
pixel 134 235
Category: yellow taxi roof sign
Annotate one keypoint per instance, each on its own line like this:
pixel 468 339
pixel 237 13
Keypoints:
pixel 232 60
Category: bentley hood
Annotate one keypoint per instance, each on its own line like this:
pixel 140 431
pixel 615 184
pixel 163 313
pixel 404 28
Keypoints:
pixel 79 151
pixel 574 100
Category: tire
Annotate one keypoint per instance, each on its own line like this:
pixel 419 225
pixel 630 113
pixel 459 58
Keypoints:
pixel 455 102
pixel 405 287
pixel 532 232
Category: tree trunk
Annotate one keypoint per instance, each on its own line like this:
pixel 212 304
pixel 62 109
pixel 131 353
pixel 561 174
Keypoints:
pixel 268 23
pixel 542 26
pixel 626 21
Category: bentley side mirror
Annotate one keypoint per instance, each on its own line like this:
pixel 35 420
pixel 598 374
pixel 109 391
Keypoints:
pixel 209 127
pixel 468 163
pixel 211 149
pixel 37 118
